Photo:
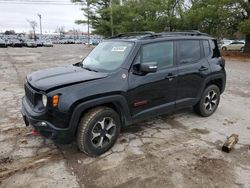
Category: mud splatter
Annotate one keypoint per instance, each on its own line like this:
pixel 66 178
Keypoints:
pixel 200 131
pixel 173 123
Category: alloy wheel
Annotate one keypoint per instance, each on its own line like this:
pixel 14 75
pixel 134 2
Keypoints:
pixel 103 132
pixel 211 100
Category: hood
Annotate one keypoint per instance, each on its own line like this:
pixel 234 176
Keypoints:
pixel 61 76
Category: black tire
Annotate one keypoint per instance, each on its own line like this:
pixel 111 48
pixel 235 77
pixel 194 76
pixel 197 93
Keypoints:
pixel 224 48
pixel 208 102
pixel 101 121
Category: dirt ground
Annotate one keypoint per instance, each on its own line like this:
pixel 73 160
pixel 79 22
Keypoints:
pixel 177 150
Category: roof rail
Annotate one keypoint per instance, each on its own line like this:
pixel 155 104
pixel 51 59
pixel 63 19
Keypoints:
pixel 133 34
pixel 189 33
pixel 143 35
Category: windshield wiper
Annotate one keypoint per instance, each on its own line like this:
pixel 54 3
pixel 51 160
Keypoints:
pixel 79 64
pixel 89 69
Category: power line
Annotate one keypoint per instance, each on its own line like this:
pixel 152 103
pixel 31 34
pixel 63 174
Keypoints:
pixel 39 2
pixel 18 3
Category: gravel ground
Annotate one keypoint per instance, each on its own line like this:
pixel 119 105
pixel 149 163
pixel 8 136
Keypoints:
pixel 177 150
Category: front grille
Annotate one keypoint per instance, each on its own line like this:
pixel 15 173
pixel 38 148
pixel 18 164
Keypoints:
pixel 30 94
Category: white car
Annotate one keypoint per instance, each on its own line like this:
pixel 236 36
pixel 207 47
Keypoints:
pixel 236 45
pixel 31 44
pixel 48 43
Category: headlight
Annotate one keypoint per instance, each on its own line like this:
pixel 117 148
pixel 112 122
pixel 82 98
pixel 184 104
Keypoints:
pixel 44 100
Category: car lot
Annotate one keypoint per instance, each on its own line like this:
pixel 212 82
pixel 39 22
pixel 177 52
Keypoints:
pixel 174 150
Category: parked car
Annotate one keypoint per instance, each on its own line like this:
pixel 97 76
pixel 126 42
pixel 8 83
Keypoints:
pixel 40 43
pixel 3 43
pixel 30 43
pixel 48 43
pixel 236 45
pixel 95 42
pixel 125 79
pixel 16 43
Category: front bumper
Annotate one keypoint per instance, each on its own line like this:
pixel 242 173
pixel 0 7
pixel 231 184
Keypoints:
pixel 44 127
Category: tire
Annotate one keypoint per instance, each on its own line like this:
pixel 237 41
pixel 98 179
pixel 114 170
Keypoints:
pixel 98 131
pixel 209 101
pixel 224 48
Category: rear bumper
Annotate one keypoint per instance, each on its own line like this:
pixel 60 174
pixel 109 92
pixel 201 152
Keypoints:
pixel 44 127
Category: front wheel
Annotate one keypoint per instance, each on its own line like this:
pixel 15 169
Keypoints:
pixel 209 101
pixel 98 131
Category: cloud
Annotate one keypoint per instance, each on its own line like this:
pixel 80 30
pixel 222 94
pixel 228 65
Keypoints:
pixel 15 16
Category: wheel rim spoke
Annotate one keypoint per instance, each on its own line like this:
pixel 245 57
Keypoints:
pixel 206 104
pixel 95 135
pixel 100 142
pixel 210 107
pixel 110 125
pixel 102 123
pixel 213 95
pixel 214 102
pixel 109 136
pixel 208 96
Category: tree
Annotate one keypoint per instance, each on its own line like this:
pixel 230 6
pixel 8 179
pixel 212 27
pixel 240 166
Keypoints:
pixel 9 32
pixel 219 18
pixel 108 17
pixel 244 25
pixel 61 31
pixel 33 25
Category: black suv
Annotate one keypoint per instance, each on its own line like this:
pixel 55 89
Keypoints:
pixel 125 79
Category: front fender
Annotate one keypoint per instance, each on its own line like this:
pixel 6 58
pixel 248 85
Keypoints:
pixel 119 101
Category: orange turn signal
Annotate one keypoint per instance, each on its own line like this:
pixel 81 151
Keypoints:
pixel 55 100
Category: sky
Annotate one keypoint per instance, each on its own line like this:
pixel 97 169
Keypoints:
pixel 55 13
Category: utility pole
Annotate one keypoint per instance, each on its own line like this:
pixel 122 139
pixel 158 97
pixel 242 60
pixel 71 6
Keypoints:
pixel 40 18
pixel 88 5
pixel 111 18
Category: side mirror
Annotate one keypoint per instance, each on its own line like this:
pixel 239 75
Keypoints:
pixel 148 67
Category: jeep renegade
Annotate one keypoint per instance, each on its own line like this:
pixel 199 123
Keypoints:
pixel 125 79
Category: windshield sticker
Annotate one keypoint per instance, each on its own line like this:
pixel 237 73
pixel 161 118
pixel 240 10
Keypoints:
pixel 119 49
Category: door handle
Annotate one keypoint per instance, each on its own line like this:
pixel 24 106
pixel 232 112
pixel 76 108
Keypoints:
pixel 203 68
pixel 170 76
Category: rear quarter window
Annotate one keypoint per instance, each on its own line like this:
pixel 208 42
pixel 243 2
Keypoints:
pixel 215 49
pixel 206 47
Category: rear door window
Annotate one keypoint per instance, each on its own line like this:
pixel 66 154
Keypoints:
pixel 189 51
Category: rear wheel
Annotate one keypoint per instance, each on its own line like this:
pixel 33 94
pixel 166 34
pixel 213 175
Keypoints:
pixel 98 131
pixel 209 101
pixel 224 48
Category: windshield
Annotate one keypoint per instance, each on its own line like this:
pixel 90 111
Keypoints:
pixel 108 55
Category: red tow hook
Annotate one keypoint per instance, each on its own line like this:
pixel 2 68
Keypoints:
pixel 34 132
